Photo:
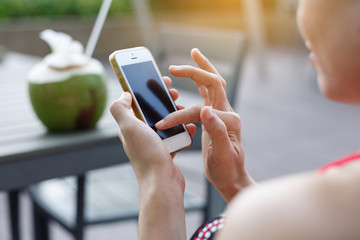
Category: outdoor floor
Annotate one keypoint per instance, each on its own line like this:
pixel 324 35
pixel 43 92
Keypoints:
pixel 287 126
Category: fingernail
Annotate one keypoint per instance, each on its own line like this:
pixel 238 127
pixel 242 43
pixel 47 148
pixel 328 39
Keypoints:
pixel 159 123
pixel 197 50
pixel 173 67
pixel 125 94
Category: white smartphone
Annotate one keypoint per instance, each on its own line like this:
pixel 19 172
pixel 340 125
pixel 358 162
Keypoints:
pixel 139 75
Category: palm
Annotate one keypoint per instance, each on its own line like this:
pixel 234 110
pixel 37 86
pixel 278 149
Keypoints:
pixel 218 171
pixel 222 148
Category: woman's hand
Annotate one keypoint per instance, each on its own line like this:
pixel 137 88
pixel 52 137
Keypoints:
pixel 222 146
pixel 144 148
pixel 161 183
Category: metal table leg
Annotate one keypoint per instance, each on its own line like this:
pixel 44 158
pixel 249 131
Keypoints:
pixel 13 201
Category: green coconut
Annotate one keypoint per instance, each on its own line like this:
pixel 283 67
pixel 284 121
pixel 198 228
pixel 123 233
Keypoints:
pixel 68 91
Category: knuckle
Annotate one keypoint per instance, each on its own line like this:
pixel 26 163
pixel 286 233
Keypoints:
pixel 180 107
pixel 195 112
pixel 223 82
pixel 218 80
pixel 117 105
pixel 190 71
pixel 167 78
pixel 235 121
pixel 173 91
pixel 236 117
pixel 197 108
pixel 114 106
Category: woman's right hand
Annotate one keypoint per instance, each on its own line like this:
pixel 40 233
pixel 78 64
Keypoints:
pixel 222 146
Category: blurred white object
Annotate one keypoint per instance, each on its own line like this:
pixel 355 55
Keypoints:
pixel 255 27
pixel 66 52
pixel 145 20
pixel 99 23
pixel 2 52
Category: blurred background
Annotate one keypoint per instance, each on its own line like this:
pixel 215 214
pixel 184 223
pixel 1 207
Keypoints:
pixel 287 125
pixel 25 19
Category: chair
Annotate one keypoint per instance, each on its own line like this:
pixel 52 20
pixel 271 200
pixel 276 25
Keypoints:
pixel 90 199
pixel 81 201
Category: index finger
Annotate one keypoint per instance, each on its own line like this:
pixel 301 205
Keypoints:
pixel 187 115
pixel 200 76
pixel 202 61
pixel 213 83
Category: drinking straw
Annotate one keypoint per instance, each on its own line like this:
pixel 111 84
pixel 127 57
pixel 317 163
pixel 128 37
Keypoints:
pixel 99 23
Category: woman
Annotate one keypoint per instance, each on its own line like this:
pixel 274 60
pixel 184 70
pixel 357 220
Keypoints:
pixel 320 205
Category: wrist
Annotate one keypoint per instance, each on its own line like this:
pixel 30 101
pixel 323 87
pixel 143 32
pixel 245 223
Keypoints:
pixel 230 190
pixel 165 181
pixel 152 168
pixel 163 192
pixel 162 214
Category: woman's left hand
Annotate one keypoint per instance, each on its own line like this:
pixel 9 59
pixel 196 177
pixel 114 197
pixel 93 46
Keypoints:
pixel 144 148
pixel 161 183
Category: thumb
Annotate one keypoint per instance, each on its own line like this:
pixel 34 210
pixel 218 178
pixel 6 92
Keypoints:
pixel 120 108
pixel 215 127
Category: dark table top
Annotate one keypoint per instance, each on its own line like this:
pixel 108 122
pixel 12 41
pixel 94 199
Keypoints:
pixel 28 152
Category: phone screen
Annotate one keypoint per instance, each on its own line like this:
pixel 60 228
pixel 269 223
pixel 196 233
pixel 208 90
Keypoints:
pixel 151 95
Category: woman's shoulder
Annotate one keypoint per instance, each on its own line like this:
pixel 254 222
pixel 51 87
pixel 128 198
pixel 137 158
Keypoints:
pixel 303 206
